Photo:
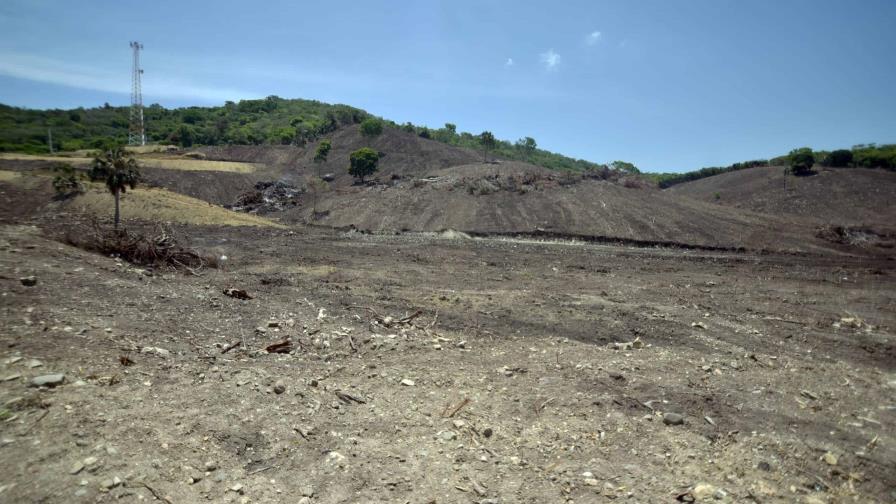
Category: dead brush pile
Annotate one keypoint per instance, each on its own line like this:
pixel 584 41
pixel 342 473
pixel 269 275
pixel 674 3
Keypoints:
pixel 158 248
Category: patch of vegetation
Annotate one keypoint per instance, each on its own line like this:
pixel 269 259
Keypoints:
pixel 801 161
pixel 271 120
pixel 363 163
pixel 487 141
pixel 863 155
pixel 67 182
pixel 665 180
pixel 371 127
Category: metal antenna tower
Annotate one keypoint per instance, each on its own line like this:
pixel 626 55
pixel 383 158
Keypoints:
pixel 136 133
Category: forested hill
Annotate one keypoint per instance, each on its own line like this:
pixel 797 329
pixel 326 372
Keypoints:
pixel 272 120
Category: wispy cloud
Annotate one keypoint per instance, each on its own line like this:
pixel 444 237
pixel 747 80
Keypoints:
pixel 509 63
pixel 592 38
pixel 41 69
pixel 550 59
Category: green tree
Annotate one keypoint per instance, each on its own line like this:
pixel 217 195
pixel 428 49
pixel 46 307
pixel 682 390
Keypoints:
pixel 624 166
pixel 487 141
pixel 371 127
pixel 118 169
pixel 527 146
pixel 452 128
pixel 801 161
pixel 363 163
pixel 323 150
pixel 839 158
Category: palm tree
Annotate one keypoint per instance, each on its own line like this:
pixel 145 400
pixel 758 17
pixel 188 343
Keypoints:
pixel 118 169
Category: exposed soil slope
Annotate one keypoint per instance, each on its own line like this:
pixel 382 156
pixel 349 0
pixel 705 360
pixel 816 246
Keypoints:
pixel 833 195
pixel 403 154
pixel 505 198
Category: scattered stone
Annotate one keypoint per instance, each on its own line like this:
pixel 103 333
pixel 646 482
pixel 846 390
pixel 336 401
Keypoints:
pixel 447 435
pixel 591 482
pixel 829 458
pixel 51 380
pixel 210 466
pixel 305 500
pixel 279 388
pixel 673 419
pixel 12 377
pixel 76 468
pixel 237 294
pixel 407 383
pixel 703 491
pixel 110 483
pixel 307 491
pixel 698 325
pixel 238 488
pixel 720 494
pixel 34 363
pixel 764 466
pixel 616 375
pixel 335 457
pixel 487 432
pixel 809 394
pixel 29 281
pixel 461 344
pixel 161 352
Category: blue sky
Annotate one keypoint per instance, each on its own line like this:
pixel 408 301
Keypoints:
pixel 668 85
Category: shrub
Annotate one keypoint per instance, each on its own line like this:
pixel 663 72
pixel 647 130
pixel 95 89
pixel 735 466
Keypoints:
pixel 487 141
pixel 801 161
pixel 67 182
pixel 840 158
pixel 371 127
pixel 363 163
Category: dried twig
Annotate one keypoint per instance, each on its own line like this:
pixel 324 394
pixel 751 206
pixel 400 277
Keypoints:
pixel 231 346
pixel 456 409
pixel 45 413
pixel 348 398
pixel 155 493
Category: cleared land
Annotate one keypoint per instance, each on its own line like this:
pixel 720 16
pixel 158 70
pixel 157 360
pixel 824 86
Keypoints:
pixel 720 355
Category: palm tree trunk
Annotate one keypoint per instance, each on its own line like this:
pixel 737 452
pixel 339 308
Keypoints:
pixel 117 195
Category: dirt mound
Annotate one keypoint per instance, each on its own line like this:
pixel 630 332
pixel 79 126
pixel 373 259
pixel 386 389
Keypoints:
pixel 268 197
pixel 403 154
pixel 838 195
pixel 858 236
pixel 517 198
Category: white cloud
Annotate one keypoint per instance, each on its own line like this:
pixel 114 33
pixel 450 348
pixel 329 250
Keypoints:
pixel 509 63
pixel 592 38
pixel 550 59
pixel 41 69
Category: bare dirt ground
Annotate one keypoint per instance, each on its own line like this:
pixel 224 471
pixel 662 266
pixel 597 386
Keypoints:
pixel 441 369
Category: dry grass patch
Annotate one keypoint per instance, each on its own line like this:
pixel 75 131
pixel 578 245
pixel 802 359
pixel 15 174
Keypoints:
pixel 75 160
pixel 165 163
pixel 160 205
pixel 9 176
pixel 196 165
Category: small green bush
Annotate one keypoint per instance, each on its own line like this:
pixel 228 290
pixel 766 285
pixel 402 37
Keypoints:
pixel 371 127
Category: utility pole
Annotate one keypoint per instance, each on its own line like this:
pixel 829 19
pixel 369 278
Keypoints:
pixel 136 132
pixel 50 139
